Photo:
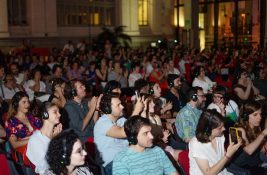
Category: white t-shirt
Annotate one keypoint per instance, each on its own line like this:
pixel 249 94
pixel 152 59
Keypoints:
pixel 133 77
pixel 36 151
pixel 231 109
pixel 175 71
pixel 206 85
pixel 29 91
pixel 206 152
pixel 7 93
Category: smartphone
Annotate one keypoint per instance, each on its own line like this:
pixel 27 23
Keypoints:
pixel 234 134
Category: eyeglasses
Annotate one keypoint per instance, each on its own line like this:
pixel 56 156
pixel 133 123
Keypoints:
pixel 201 95
pixel 216 96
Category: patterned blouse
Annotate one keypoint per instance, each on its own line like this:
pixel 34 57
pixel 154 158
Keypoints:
pixel 15 127
pixel 80 171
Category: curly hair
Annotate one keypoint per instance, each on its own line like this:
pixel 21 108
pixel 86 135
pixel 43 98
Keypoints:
pixel 243 122
pixel 60 150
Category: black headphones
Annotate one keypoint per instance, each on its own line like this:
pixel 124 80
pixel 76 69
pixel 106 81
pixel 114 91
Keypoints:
pixel 44 113
pixel 151 89
pixel 73 91
pixel 105 104
pixel 194 97
pixel 245 116
pixel 132 139
pixel 171 78
pixel 64 156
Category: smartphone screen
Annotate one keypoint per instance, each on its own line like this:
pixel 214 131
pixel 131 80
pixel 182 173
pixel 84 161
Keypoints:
pixel 234 134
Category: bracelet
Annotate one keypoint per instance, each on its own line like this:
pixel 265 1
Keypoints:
pixel 227 157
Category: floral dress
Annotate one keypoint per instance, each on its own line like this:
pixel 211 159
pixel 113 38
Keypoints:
pixel 16 128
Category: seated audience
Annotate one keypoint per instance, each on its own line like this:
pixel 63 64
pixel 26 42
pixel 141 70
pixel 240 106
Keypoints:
pixel 135 74
pixel 244 89
pixel 81 113
pixel 40 139
pixel 109 131
pixel 141 157
pixel 66 155
pixel 254 139
pixel 226 107
pixel 9 88
pixel 35 87
pixel 188 116
pixel 207 154
pixel 201 80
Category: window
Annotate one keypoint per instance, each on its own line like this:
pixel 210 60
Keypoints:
pixel 142 12
pixel 17 12
pixel 84 13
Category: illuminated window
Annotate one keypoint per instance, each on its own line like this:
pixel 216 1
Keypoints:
pixel 17 12
pixel 142 12
pixel 84 13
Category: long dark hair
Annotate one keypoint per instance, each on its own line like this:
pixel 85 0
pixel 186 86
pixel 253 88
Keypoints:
pixel 245 111
pixel 209 120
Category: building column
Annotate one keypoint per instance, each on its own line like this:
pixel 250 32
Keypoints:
pixel 255 23
pixel 129 11
pixel 263 24
pixel 195 42
pixel 50 13
pixel 3 19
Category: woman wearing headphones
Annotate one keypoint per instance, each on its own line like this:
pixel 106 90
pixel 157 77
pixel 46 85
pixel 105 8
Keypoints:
pixel 254 139
pixel 40 139
pixel 20 124
pixel 66 155
pixel 206 150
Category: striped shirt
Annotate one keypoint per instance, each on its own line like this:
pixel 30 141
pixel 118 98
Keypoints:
pixel 152 161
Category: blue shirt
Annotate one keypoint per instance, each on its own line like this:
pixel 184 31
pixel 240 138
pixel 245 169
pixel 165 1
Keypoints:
pixel 186 121
pixel 152 161
pixel 107 146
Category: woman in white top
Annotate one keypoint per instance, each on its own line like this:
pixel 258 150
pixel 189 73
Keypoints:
pixel 201 80
pixel 36 87
pixel 206 149
pixel 40 139
pixel 135 75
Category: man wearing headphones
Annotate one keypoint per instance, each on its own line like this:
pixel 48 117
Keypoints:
pixel 81 113
pixel 140 157
pixel 174 95
pixel 187 118
pixel 109 132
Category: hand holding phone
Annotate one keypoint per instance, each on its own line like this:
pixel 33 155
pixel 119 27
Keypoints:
pixel 235 134
pixel 137 94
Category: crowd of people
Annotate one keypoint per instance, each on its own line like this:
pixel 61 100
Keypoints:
pixel 156 110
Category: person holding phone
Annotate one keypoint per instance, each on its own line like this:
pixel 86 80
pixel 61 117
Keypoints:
pixel 254 139
pixel 206 150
